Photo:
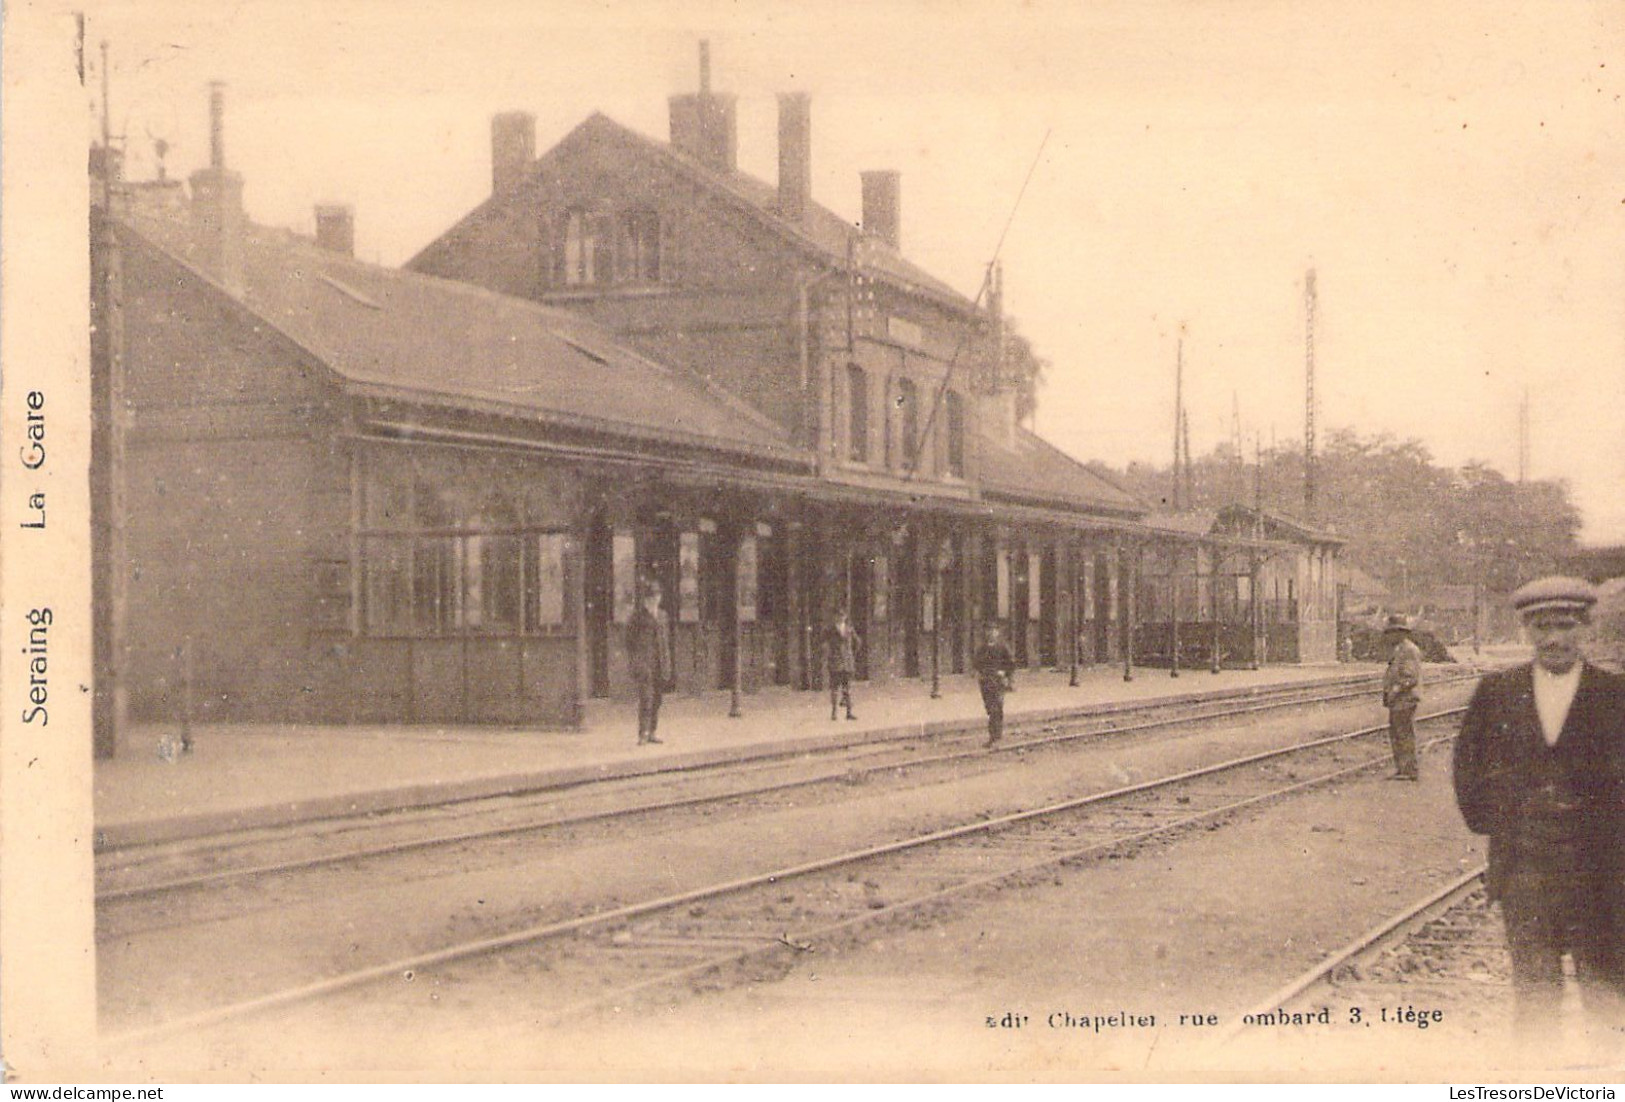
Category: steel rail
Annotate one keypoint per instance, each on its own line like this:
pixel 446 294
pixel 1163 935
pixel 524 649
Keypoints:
pixel 1372 941
pixel 1094 849
pixel 373 851
pixel 548 931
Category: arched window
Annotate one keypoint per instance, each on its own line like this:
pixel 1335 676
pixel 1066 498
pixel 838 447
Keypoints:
pixel 908 404
pixel 857 401
pixel 954 417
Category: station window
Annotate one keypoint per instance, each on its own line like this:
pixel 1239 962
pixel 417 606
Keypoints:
pixel 432 566
pixel 954 418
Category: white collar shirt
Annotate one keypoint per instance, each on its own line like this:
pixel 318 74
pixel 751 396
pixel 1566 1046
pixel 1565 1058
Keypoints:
pixel 1554 694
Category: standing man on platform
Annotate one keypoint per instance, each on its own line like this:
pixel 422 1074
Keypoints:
pixel 842 650
pixel 648 650
pixel 1540 768
pixel 995 670
pixel 1401 695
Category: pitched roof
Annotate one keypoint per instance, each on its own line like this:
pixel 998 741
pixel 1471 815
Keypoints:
pixel 821 232
pixel 1034 470
pixel 1197 522
pixel 1290 526
pixel 396 333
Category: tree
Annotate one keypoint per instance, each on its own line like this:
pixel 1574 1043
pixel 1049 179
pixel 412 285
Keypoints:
pixel 1024 369
pixel 1407 520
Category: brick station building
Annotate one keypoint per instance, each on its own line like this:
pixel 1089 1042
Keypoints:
pixel 353 493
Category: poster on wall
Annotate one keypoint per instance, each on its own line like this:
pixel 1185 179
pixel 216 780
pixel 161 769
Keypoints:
pixel 550 550
pixel 625 560
pixel 1089 609
pixel 746 593
pixel 1035 585
pixel 688 577
pixel 882 588
pixel 1002 561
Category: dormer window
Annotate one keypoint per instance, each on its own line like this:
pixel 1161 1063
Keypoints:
pixel 587 259
pixel 600 249
pixel 638 258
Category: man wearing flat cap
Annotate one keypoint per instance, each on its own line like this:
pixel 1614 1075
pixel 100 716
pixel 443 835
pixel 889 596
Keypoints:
pixel 1401 693
pixel 1538 769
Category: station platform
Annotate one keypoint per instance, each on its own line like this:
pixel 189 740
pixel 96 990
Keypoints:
pixel 244 776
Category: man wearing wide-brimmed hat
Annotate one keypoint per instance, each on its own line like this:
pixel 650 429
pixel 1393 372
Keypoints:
pixel 1538 768
pixel 1401 694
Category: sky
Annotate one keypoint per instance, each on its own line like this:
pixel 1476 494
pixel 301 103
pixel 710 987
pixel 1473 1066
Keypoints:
pixel 1454 173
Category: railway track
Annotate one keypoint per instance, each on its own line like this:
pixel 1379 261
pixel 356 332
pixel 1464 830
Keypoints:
pixel 1440 964
pixel 134 873
pixel 696 938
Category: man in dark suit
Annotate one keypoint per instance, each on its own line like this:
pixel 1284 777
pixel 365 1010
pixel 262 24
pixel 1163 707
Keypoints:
pixel 1401 693
pixel 1538 768
pixel 648 653
pixel 995 670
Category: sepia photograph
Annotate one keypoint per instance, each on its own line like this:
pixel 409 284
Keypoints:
pixel 761 542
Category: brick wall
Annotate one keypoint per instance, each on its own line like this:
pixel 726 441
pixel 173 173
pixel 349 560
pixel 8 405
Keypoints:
pixel 237 505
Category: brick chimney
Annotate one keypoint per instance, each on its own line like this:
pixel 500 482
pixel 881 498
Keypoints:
pixel 217 203
pixel 795 154
pixel 335 228
pixel 706 126
pixel 882 206
pixel 513 148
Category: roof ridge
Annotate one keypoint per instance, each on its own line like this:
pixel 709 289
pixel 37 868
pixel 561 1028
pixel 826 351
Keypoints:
pixel 584 334
pixel 729 184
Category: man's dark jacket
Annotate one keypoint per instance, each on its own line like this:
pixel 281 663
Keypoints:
pixel 1553 814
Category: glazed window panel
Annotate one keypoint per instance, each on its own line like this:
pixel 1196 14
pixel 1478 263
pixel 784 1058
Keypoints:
pixel 435 589
pixel 492 597
pixel 545 580
pixel 435 585
pixel 387 500
pixel 386 589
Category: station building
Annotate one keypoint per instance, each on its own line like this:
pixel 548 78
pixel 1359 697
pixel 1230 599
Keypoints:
pixel 353 493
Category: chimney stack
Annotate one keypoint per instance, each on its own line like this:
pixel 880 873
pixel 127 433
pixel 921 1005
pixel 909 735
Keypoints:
pixel 217 203
pixel 706 126
pixel 335 228
pixel 513 148
pixel 795 155
pixel 882 206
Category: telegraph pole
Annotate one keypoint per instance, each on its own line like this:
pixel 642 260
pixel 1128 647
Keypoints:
pixel 1309 397
pixel 1179 411
pixel 1523 437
